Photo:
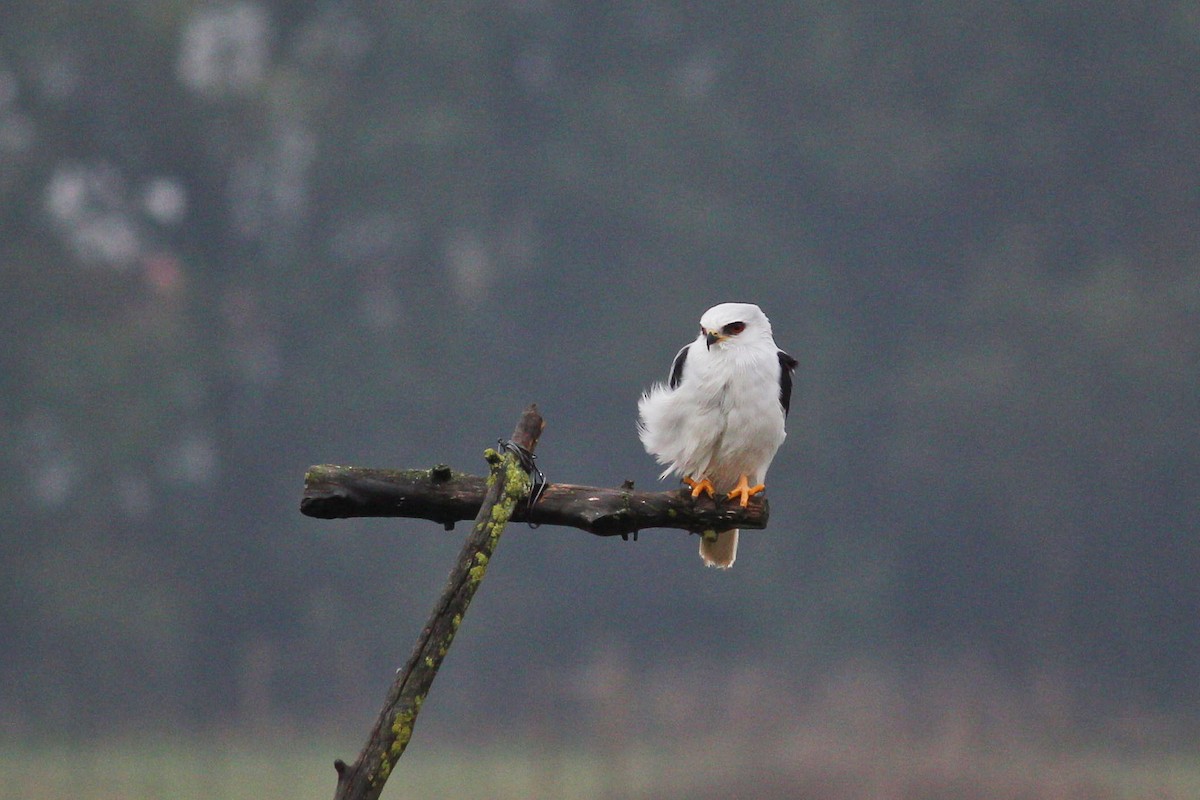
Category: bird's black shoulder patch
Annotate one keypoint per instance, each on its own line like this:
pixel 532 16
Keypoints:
pixel 677 367
pixel 786 365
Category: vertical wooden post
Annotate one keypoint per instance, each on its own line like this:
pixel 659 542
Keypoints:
pixel 508 483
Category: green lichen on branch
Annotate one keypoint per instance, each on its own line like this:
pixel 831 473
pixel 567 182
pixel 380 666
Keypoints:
pixel 402 728
pixel 380 775
pixel 516 486
pixel 507 484
pixel 439 633
pixel 401 734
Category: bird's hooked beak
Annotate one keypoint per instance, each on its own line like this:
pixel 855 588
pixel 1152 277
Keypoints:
pixel 711 338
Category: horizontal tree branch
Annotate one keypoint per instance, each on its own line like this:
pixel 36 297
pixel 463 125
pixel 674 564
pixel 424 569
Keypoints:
pixel 447 496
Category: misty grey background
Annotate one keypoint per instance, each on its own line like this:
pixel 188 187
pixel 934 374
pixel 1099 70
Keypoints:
pixel 240 238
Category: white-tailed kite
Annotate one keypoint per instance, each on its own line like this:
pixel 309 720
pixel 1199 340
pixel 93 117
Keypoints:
pixel 718 420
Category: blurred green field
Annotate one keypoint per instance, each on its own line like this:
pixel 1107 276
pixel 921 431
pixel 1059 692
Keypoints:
pixel 817 764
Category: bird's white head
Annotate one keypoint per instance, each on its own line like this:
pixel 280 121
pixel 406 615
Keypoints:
pixel 732 324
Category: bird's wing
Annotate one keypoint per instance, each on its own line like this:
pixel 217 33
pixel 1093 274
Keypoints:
pixel 677 366
pixel 786 365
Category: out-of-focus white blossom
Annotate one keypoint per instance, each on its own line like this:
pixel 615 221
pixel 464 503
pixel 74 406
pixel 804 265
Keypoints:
pixel 87 204
pixel 471 266
pixel 193 459
pixel 164 200
pixel 224 49
pixel 697 75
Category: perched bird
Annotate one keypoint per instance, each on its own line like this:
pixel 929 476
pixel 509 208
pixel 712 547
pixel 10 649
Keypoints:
pixel 718 420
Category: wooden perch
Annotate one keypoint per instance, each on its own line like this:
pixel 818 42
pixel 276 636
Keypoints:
pixel 446 496
pixel 506 486
pixel 443 495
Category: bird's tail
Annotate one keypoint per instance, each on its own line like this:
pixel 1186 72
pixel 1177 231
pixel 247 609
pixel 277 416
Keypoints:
pixel 720 552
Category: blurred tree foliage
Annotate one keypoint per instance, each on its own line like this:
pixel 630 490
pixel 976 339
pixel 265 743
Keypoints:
pixel 240 237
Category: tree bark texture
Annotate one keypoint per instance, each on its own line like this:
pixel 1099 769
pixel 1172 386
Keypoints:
pixel 447 496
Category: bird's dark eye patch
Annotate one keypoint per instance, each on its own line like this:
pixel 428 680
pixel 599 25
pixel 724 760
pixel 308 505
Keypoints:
pixel 733 328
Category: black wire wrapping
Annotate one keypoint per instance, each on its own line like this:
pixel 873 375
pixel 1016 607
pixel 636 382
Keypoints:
pixel 529 464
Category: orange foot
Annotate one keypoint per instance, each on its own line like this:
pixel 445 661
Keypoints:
pixel 702 486
pixel 744 490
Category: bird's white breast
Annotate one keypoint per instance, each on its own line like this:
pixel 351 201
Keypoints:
pixel 723 420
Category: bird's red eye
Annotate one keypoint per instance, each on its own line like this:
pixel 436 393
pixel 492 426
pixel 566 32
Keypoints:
pixel 734 328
